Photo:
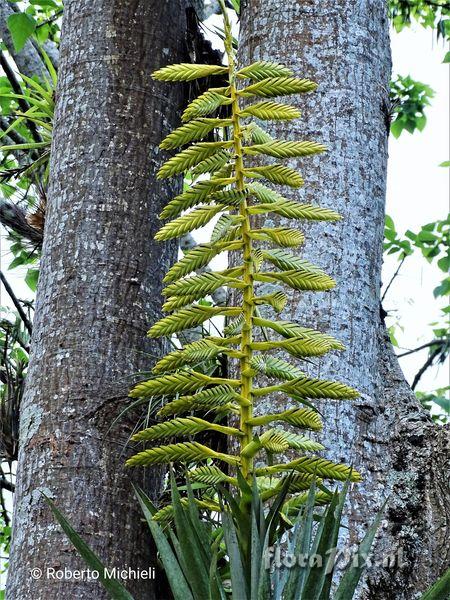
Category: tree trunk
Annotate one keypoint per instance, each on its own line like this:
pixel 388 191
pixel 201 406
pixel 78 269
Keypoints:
pixel 344 46
pixel 99 289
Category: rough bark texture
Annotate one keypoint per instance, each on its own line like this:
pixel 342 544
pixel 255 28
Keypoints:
pixel 99 289
pixel 344 45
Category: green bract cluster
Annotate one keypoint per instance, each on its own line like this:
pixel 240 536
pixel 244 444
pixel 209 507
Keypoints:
pixel 227 182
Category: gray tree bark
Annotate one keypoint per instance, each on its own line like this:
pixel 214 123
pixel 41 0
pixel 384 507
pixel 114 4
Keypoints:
pixel 99 289
pixel 344 46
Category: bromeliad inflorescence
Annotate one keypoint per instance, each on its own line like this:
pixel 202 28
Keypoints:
pixel 228 182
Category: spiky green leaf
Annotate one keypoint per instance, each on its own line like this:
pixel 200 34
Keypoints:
pixel 187 318
pixel 305 418
pixel 194 130
pixel 206 103
pixel 275 367
pixel 210 475
pixel 212 164
pixel 314 466
pixel 279 86
pixel 277 174
pixel 187 72
pixel 263 69
pixel 197 258
pixel 188 222
pixel 277 300
pixel 283 236
pixel 320 388
pixel 300 279
pixel 293 330
pixel 183 426
pixel 216 399
pixel 271 111
pixel 184 452
pixel 198 351
pixel 183 381
pixel 196 194
pixel 197 286
pixel 190 157
pixel 285 149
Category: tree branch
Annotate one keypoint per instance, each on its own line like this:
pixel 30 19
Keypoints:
pixel 16 303
pixel 393 277
pixel 18 90
pixel 428 363
pixel 427 345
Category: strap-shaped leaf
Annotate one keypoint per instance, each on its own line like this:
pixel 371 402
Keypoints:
pixel 271 111
pixel 210 475
pixel 190 157
pixel 212 164
pixel 187 72
pixel 275 367
pixel 279 86
pixel 315 466
pixel 194 130
pixel 286 149
pixel 189 222
pixel 277 300
pixel 197 258
pixel 196 194
pixel 293 330
pixel 183 452
pixel 183 381
pixel 215 399
pixel 283 236
pixel 186 318
pixel 300 417
pixel 206 103
pixel 277 174
pixel 180 427
pixel 300 279
pixel 263 69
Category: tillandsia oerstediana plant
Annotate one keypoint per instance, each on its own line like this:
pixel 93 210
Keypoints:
pixel 227 182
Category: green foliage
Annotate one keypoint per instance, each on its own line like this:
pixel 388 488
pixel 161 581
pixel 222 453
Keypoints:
pixel 204 558
pixel 231 191
pixel 39 19
pixel 409 99
pixel 433 14
pixel 21 27
pixel 439 398
pixel 433 242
